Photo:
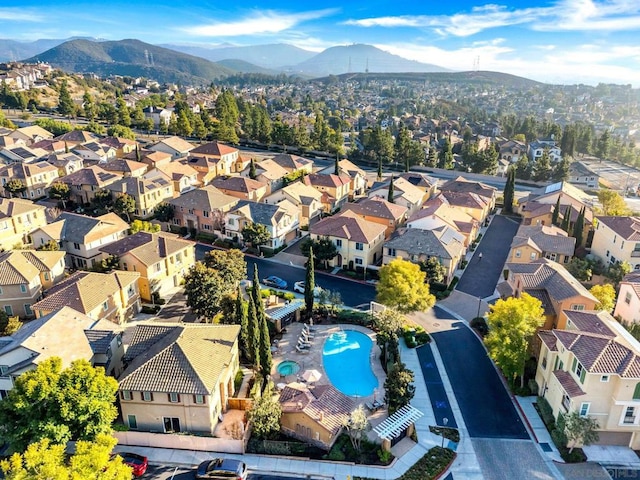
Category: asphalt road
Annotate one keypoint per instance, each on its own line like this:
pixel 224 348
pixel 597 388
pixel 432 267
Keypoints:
pixel 437 394
pixel 155 472
pixel 481 275
pixel 354 294
pixel 486 406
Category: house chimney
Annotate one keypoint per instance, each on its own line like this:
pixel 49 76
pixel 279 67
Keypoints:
pixel 321 415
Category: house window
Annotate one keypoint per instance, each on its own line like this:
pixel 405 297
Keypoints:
pixel 105 306
pixel 627 298
pixel 130 291
pixel 622 245
pixel 615 237
pixel 198 399
pixel 231 221
pixel 584 409
pixel 205 213
pixel 158 267
pixel 629 415
pixel 551 256
pixel 338 243
pixel 518 253
pixel 8 310
pixel 76 246
pixel 133 422
pixel 46 276
pixel 171 424
pixel 578 307
pixel 533 255
pixel 27 309
pixel 147 396
pixel 0 291
pixel 174 397
pixel 544 362
pixel 566 402
pixel 608 253
pixel 636 392
pixel 604 378
pixel 359 246
pixel 126 395
pixel 206 226
pixel 358 261
pixel 613 260
pixel 23 288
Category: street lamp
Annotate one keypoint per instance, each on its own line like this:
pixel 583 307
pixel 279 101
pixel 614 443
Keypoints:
pixel 445 420
pixel 479 306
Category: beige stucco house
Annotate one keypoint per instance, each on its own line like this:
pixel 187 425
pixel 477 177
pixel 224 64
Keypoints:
pixel 628 302
pixel 617 239
pixel 18 219
pixel 24 275
pixel 178 378
pixel 378 210
pixel 162 259
pixel 336 187
pixel 148 191
pixel 438 212
pixel 242 187
pixel 593 367
pixel 35 176
pixel 85 182
pixel 307 199
pixel 358 241
pixel 202 209
pixel 281 221
pixel 540 241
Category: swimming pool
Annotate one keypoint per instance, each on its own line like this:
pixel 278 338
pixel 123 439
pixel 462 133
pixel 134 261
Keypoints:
pixel 346 363
pixel 288 367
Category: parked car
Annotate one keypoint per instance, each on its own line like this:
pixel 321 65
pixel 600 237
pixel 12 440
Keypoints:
pixel 222 469
pixel 274 281
pixel 300 287
pixel 138 463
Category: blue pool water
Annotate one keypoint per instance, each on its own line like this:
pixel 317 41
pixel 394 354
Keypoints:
pixel 346 363
pixel 288 367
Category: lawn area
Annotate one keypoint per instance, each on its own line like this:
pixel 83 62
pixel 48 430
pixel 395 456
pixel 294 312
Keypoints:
pixel 434 462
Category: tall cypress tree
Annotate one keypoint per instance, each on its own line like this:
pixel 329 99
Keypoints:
pixel 509 189
pixel 253 335
pixel 257 298
pixel 309 284
pixel 252 170
pixel 556 213
pixel 265 347
pixel 138 153
pixel 336 169
pixel 579 227
pixel 379 169
pixel 566 219
pixel 242 319
pixel 390 194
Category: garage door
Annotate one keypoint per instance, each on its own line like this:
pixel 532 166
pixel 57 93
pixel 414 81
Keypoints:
pixel 614 438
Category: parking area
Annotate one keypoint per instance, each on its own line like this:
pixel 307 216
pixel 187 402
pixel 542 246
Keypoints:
pixel 614 175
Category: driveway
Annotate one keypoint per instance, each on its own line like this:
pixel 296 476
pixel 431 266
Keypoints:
pixel 486 406
pixel 176 310
pixel 435 387
pixel 481 275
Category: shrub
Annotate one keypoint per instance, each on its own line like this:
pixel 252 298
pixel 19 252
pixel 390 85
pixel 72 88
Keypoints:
pixel 354 317
pixel 206 237
pixel 384 456
pixel 288 296
pixel 453 283
pixel 151 309
pixel 546 413
pixel 431 465
pixel 237 381
pixel 336 455
pixel 480 324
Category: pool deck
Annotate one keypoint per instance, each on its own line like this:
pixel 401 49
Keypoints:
pixel 312 359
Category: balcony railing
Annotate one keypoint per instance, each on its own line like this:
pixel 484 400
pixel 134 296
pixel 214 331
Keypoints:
pixel 635 253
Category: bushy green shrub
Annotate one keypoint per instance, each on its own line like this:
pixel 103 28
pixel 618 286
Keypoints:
pixel 480 324
pixel 430 465
pixel 150 309
pixel 546 413
pixel 336 455
pixel 384 456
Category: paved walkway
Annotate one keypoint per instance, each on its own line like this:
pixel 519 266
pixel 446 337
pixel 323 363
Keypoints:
pixel 540 433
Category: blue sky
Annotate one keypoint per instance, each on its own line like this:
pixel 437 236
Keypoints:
pixel 558 41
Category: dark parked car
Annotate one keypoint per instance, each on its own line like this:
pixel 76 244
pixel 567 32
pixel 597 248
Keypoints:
pixel 274 281
pixel 222 469
pixel 138 463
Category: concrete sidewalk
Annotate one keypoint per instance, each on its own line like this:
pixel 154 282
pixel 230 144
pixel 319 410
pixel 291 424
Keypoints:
pixel 465 465
pixel 540 433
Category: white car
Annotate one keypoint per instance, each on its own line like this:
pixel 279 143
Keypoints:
pixel 299 287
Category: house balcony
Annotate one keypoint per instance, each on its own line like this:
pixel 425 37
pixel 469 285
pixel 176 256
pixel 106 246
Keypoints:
pixel 635 253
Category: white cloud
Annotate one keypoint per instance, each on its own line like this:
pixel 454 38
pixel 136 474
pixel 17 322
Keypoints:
pixel 257 23
pixel 564 15
pixel 20 15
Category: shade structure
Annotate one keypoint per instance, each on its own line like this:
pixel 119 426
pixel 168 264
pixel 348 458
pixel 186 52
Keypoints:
pixel 312 375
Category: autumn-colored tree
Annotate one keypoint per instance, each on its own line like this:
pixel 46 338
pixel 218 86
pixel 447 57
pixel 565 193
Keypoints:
pixel 402 286
pixel 606 296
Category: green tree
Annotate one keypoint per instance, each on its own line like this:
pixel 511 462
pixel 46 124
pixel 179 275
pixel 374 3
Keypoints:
pixel 15 187
pixel 542 170
pixel 617 271
pixel 578 228
pixel 566 219
pixel 445 158
pixel 323 249
pixel 253 335
pixel 50 246
pixel 603 147
pixel 256 234
pixel 265 414
pixel 606 295
pixel 252 170
pixel 434 270
pixel 509 190
pixel 512 323
pixel 389 321
pixel 357 426
pixel 379 170
pixel 56 127
pixel 309 284
pixel 399 388
pixel 230 265
pixel 121 131
pixel 164 212
pixel 47 460
pixel 89 106
pixel 61 192
pixel 266 361
pixel 561 170
pixel 183 124
pixel 402 286
pixel 580 430
pixel 124 115
pixel 204 288
pixel 555 215
pixel 125 204
pixel 390 192
pixel 8 325
pixel 581 269
pixel 242 319
pixel 524 168
pixel 612 203
pixel 76 403
pixel 143 226
pixel 65 103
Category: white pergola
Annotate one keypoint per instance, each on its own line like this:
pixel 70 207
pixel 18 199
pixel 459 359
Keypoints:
pixel 397 423
pixel 288 309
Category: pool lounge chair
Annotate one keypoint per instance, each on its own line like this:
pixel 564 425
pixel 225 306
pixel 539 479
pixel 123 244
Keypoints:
pixel 306 327
pixel 306 334
pixel 301 350
pixel 304 344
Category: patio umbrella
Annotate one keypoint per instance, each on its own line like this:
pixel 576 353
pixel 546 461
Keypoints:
pixel 312 375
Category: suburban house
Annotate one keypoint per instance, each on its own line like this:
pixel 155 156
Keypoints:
pixel 380 211
pixel 281 220
pixel 152 158
pixel 550 283
pixel 438 212
pixel 18 219
pixel 203 360
pixel 462 185
pixel 314 415
pixel 269 172
pixel 242 187
pixel 512 150
pixel 19 153
pixel 336 187
pixel 85 182
pixel 212 159
pixel 66 163
pixel 423 182
pixel 358 241
pixel 470 203
pixel 122 146
pixel 306 198
pixel 174 146
pixel 294 163
pixel 538 147
pixel 148 191
pixel 102 296
pixel 24 275
pixel 593 367
pixel 66 334
pixel 81 236
pixel 77 137
pixel 184 177
pixel 540 241
pixel 617 239
pixel 404 193
pixel 125 167
pixel 202 209
pixel 31 134
pixel 35 176
pixel 94 152
pixel 580 174
pixel 158 115
pixel 161 258
pixel 628 302
pixel 358 182
pixel 418 246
